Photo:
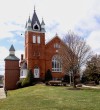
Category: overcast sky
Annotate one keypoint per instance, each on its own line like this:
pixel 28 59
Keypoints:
pixel 60 16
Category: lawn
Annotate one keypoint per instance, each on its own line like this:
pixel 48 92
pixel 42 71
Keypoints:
pixel 41 97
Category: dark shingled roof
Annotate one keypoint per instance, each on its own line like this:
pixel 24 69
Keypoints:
pixel 26 25
pixel 12 57
pixel 34 19
pixel 29 20
pixel 12 48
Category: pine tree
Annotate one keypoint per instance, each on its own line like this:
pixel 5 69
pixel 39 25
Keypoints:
pixel 48 75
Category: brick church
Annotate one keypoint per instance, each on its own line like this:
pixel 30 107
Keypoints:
pixel 39 56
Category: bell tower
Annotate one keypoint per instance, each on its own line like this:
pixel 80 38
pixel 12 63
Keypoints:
pixel 35 45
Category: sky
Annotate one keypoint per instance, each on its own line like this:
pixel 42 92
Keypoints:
pixel 60 16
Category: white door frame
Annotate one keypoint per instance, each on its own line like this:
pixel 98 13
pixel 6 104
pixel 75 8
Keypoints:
pixel 36 72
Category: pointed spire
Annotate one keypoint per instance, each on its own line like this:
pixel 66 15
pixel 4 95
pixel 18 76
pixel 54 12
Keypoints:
pixel 12 48
pixel 42 23
pixel 42 26
pixel 26 25
pixel 12 54
pixel 29 24
pixel 29 20
pixel 35 20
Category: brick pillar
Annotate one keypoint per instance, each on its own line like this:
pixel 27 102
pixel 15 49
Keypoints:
pixel 12 74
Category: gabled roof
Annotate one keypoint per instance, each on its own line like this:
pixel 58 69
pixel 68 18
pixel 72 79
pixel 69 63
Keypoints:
pixel 12 48
pixel 35 19
pixel 55 37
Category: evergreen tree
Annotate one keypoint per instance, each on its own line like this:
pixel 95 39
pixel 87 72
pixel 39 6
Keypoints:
pixel 48 75
pixel 28 80
pixel 92 71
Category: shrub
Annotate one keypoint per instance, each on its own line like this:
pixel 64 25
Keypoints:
pixel 19 83
pixel 31 77
pixel 48 75
pixel 84 79
pixel 28 80
pixel 25 82
pixel 66 78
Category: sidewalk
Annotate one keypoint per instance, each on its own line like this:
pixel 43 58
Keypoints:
pixel 2 93
pixel 94 87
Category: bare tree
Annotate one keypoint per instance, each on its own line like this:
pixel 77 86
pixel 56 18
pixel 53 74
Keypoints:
pixel 74 54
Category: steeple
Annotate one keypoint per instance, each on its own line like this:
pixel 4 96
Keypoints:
pixel 26 25
pixel 12 50
pixel 35 24
pixel 29 24
pixel 11 54
pixel 42 26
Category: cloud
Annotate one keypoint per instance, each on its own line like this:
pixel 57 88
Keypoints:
pixel 94 41
pixel 80 16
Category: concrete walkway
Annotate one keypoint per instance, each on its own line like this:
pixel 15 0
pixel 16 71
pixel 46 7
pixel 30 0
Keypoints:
pixel 2 93
pixel 94 87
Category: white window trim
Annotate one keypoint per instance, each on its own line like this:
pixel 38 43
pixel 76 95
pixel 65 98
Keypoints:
pixel 23 73
pixel 56 45
pixel 38 39
pixel 36 72
pixel 56 65
pixel 35 25
pixel 34 39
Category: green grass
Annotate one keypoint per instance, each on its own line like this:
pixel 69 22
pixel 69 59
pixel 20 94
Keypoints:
pixel 41 97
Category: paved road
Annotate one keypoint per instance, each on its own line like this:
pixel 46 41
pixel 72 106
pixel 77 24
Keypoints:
pixel 2 93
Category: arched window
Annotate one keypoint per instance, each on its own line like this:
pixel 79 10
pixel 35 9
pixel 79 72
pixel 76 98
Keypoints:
pixel 56 64
pixel 36 26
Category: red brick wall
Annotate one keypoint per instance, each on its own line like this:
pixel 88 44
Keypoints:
pixel 34 52
pixel 50 52
pixel 46 52
pixel 12 74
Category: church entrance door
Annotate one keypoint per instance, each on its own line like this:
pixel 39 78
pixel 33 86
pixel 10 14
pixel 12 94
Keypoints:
pixel 36 72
